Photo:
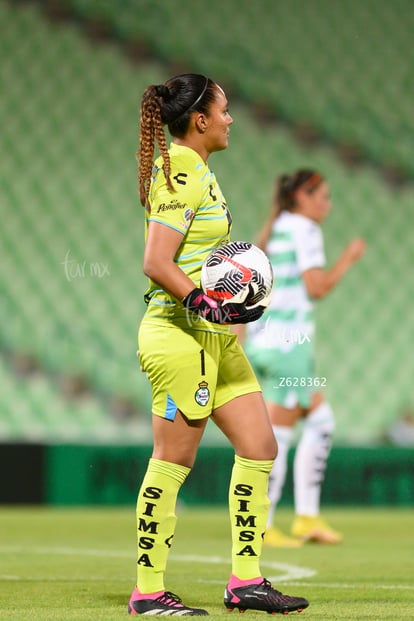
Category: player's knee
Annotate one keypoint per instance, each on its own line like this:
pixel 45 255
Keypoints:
pixel 259 448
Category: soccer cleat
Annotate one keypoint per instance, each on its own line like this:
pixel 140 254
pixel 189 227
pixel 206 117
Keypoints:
pixel 275 538
pixel 315 529
pixel 165 604
pixel 262 597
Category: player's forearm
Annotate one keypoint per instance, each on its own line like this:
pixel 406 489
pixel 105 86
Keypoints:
pixel 169 277
pixel 319 282
pixel 335 274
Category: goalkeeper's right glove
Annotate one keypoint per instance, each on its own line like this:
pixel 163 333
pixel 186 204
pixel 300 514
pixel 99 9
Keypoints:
pixel 230 311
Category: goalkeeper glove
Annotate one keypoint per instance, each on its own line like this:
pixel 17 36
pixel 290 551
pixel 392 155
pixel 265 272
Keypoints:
pixel 229 311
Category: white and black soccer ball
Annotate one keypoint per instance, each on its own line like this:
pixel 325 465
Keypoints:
pixel 233 265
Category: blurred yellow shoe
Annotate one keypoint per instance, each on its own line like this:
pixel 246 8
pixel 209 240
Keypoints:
pixel 315 529
pixel 274 538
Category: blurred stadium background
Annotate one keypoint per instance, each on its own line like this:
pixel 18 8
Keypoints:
pixel 323 83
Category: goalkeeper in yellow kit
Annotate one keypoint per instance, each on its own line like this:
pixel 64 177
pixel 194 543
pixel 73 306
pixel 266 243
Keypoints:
pixel 195 365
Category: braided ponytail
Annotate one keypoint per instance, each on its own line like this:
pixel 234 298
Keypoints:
pixel 151 129
pixel 169 104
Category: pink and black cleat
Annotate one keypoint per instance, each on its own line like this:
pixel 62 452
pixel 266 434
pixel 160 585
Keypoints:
pixel 165 604
pixel 264 597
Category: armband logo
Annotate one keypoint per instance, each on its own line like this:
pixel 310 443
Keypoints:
pixel 188 216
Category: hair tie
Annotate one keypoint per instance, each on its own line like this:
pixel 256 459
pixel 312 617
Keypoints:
pixel 162 91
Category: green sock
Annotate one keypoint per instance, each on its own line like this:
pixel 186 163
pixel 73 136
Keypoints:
pixel 156 521
pixel 249 506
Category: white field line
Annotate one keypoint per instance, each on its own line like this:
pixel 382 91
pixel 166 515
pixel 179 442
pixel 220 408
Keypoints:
pixel 64 551
pixel 292 572
pixel 323 585
pixel 356 586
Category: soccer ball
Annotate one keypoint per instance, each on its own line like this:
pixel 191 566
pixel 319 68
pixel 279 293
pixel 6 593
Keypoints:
pixel 233 265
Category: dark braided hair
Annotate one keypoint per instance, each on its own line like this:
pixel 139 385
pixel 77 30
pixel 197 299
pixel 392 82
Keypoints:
pixel 168 104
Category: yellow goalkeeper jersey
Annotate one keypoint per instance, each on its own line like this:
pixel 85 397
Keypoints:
pixel 198 210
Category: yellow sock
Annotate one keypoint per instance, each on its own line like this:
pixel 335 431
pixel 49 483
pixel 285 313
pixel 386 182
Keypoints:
pixel 249 506
pixel 156 521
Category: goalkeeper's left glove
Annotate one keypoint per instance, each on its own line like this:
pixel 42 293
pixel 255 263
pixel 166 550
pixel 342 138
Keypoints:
pixel 231 311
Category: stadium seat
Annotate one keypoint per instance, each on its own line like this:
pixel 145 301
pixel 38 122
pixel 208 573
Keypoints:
pixel 324 63
pixel 72 226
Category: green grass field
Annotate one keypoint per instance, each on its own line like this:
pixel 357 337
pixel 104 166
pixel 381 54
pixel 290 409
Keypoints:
pixel 79 564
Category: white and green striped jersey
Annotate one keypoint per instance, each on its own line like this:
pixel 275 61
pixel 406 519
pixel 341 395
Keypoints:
pixel 295 245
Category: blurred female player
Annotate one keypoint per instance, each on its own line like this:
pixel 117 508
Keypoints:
pixel 196 366
pixel 280 348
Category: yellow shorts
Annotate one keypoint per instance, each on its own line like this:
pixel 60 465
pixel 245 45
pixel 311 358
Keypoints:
pixel 192 370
